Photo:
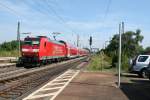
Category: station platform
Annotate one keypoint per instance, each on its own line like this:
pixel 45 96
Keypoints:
pixel 8 59
pixel 81 85
pixel 92 86
pixel 6 64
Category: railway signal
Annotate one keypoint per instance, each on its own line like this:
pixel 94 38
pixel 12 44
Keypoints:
pixel 90 42
pixel 18 38
pixel 77 40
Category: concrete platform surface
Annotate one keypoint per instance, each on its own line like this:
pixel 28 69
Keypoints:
pixel 6 64
pixel 92 86
pixel 7 59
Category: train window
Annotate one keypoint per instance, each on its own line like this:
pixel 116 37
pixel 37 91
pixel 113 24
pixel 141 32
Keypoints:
pixel 31 41
pixel 45 44
pixel 35 42
pixel 27 43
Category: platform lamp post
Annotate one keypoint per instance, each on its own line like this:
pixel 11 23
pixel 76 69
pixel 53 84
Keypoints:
pixel 119 55
pixel 121 30
pixel 55 34
pixel 18 38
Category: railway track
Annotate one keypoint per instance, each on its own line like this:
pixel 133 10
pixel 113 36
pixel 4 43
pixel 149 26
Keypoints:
pixel 14 84
pixel 7 67
pixel 17 72
pixel 4 65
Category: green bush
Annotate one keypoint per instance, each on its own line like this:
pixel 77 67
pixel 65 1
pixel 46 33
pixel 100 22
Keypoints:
pixel 125 62
pixel 99 62
pixel 9 46
pixel 96 62
pixel 13 53
pixel 8 49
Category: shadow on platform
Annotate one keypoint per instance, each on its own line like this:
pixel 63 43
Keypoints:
pixel 137 90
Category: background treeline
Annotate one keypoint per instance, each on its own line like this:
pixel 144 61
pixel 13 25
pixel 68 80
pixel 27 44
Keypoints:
pixel 9 48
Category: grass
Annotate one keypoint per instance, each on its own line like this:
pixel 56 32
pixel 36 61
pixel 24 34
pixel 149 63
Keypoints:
pixel 100 62
pixel 13 53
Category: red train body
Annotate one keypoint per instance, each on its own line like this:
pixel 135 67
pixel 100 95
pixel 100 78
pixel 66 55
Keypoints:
pixel 36 50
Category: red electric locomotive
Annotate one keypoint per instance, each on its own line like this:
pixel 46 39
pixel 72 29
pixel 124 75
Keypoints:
pixel 37 50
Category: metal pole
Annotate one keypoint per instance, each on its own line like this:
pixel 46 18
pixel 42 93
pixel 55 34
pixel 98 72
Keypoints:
pixel 77 40
pixel 18 38
pixel 119 60
pixel 122 32
pixel 122 27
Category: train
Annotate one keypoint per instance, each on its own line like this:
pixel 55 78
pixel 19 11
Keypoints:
pixel 42 50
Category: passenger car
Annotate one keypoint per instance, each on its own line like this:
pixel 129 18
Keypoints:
pixel 148 71
pixel 140 64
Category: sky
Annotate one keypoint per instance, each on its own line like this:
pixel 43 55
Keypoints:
pixel 97 18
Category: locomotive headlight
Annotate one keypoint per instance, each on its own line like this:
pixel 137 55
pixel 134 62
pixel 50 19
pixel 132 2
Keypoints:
pixel 35 50
pixel 25 50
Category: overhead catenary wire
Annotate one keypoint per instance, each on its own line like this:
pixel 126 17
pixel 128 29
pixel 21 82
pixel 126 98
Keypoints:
pixel 21 18
pixel 58 6
pixel 49 8
pixel 44 12
pixel 55 2
pixel 47 11
pixel 37 9
pixel 10 10
pixel 107 9
pixel 58 16
pixel 106 12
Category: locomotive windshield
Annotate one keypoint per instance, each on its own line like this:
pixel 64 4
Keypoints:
pixel 31 41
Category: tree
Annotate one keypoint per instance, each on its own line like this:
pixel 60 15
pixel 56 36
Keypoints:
pixel 130 46
pixel 8 46
pixel 146 51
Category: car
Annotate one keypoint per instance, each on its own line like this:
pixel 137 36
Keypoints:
pixel 148 71
pixel 140 65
